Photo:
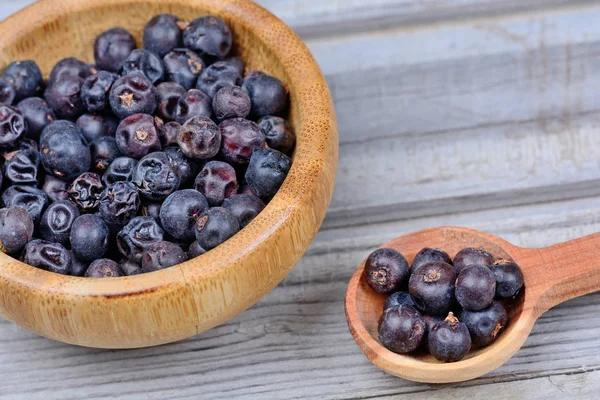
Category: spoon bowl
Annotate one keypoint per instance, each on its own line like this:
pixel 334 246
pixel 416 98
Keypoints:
pixel 552 275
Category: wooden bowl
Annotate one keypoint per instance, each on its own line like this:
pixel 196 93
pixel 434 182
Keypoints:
pixel 190 298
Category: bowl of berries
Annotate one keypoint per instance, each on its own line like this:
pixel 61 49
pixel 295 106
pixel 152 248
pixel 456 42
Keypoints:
pixel 164 165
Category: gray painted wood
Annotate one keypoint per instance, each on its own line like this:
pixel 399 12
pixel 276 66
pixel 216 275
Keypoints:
pixel 480 113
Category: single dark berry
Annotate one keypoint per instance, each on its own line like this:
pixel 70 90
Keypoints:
pixel 121 169
pixel 231 102
pixel 428 255
pixel 199 138
pixel 184 67
pixel 56 222
pixel 21 165
pixel 194 103
pixel 485 325
pixel 162 34
pixel 152 209
pixel 65 153
pixel 56 189
pixel 186 168
pixel 119 203
pixel 85 191
pixel 7 93
pixel 240 138
pixel 78 267
pixel 89 237
pixel 509 279
pixel 130 267
pixel 179 213
pixel 137 235
pixel 267 94
pixel 48 256
pixel 30 198
pixel 112 47
pixel 215 226
pixel 195 250
pixel 161 255
pixel 401 329
pixel 137 136
pixel 94 126
pixel 95 91
pixel 475 287
pixel 266 172
pixel 146 62
pixel 133 94
pixel 25 77
pixel 216 181
pixel 37 114
pixel 397 299
pixel 469 256
pixel 217 76
pixel 168 133
pixel 245 207
pixel 278 133
pixel 70 66
pixel 235 62
pixel 168 94
pixel 104 151
pixel 386 270
pixel 16 229
pixel 208 35
pixel 103 268
pixel 12 126
pixel 155 176
pixel 64 97
pixel 449 340
pixel 431 287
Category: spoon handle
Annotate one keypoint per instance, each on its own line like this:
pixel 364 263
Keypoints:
pixel 564 271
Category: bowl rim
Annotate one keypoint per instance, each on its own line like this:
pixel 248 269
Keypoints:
pixel 308 177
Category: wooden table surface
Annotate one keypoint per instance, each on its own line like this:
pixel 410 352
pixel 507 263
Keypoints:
pixel 480 113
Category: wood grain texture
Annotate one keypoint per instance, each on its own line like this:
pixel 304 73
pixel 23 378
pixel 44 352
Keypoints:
pixel 190 298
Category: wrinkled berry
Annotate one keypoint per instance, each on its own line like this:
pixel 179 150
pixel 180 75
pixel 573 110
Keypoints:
pixel 431 287
pixel 475 287
pixel 112 47
pixel 231 102
pixel 401 329
pixel 240 138
pixel 217 76
pixel 12 126
pixel 485 325
pixel 193 103
pixel 16 229
pixel 179 213
pixel 133 94
pixel 89 237
pixel 48 256
pixel 195 250
pixel 64 151
pixel 130 268
pixel 162 255
pixel 119 203
pixel 245 207
pixel 278 133
pixel 70 66
pixel 94 126
pixel 85 191
pixel 184 67
pixel 137 136
pixel 267 94
pixel 199 138
pixel 121 169
pixel 37 114
pixel 168 94
pixel 155 176
pixel 208 35
pixel 146 62
pixel 168 133
pixel 64 97
pixel 428 255
pixel 25 77
pixel 162 34
pixel 186 168
pixel 56 189
pixel 216 181
pixel 386 270
pixel 104 151
pixel 398 298
pixel 21 165
pixel 137 235
pixel 56 222
pixel 449 340
pixel 215 226
pixel 7 93
pixel 469 256
pixel 95 91
pixel 509 279
pixel 103 268
pixel 266 172
pixel 30 198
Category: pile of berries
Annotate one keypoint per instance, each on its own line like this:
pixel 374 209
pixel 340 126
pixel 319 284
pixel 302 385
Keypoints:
pixel 439 305
pixel 147 158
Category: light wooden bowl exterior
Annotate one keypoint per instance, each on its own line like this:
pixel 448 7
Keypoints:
pixel 552 275
pixel 193 297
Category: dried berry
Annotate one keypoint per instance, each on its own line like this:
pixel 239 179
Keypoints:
pixel 231 102
pixel 431 287
pixel 103 268
pixel 85 191
pixel 89 237
pixel 266 172
pixel 184 67
pixel 25 77
pixel 155 177
pixel 216 181
pixel 199 138
pixel 146 62
pixel 509 279
pixel 386 270
pixel 16 229
pixel 215 226
pixel 240 138
pixel 475 287
pixel 133 94
pixel 162 34
pixel 401 329
pixel 469 256
pixel 96 90
pixel 121 169
pixel 209 36
pixel 64 151
pixel 245 207
pixel 21 165
pixel 278 133
pixel 137 235
pixel 30 198
pixel 161 255
pixel 137 136
pixel 119 203
pixel 449 340
pixel 193 103
pixel 12 126
pixel 168 94
pixel 179 213
pixel 112 47
pixel 48 256
pixel 56 222
pixel 485 325
pixel 37 114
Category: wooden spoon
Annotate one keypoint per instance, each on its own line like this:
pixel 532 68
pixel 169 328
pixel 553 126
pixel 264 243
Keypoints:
pixel 552 275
